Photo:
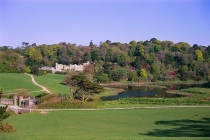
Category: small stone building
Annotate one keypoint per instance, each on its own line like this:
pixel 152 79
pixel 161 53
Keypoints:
pixel 24 102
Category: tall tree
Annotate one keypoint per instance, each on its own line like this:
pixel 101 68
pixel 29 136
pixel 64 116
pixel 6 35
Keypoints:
pixel 81 88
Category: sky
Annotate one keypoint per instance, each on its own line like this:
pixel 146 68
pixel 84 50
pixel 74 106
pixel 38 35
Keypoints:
pixel 80 21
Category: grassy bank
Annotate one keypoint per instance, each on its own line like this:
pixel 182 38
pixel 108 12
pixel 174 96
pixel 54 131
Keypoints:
pixel 164 123
pixel 13 83
pixel 109 91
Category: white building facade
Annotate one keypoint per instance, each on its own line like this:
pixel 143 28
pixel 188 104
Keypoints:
pixel 74 67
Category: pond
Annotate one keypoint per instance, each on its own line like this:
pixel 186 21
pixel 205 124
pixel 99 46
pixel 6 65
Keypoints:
pixel 145 91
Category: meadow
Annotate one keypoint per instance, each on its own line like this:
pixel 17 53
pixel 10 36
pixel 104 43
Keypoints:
pixel 13 83
pixel 163 123
pixel 53 83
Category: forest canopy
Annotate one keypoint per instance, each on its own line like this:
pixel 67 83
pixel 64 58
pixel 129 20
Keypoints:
pixel 114 61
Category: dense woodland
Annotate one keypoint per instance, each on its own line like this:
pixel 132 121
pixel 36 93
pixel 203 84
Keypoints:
pixel 148 60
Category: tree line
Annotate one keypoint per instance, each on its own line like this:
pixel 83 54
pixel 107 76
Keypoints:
pixel 114 61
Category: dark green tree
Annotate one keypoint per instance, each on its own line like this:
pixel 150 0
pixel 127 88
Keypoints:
pixel 81 88
pixel 3 113
pixel 119 74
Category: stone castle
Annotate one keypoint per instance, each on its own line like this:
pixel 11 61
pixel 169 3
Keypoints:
pixel 61 67
pixel 74 67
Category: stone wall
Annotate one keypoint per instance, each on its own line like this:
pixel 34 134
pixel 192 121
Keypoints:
pixel 7 101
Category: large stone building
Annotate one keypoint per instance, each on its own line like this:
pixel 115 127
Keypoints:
pixel 61 67
pixel 74 67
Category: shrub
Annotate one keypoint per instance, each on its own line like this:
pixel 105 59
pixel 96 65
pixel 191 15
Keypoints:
pixel 58 102
pixel 3 113
pixel 41 95
pixel 4 96
pixel 11 96
pixel 6 128
pixel 62 73
pixel 45 98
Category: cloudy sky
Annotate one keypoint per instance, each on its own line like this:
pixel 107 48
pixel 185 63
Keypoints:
pixel 80 21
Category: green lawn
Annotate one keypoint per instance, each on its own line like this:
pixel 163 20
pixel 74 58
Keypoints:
pixel 53 83
pixel 165 123
pixel 13 83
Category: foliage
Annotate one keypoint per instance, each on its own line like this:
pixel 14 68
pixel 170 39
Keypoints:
pixel 81 88
pixel 3 113
pixel 199 55
pixel 143 73
pixel 41 95
pixel 160 56
pixel 6 128
pixel 119 74
pixel 103 78
pixel 27 70
pixel 45 98
pixel 60 102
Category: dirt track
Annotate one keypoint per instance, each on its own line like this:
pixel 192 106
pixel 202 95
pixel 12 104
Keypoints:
pixel 43 88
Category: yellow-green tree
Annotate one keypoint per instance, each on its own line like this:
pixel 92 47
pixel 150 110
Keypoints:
pixel 199 55
pixel 143 73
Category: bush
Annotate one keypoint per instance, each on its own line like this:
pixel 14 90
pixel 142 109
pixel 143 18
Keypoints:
pixel 6 128
pixel 4 96
pixel 3 113
pixel 11 96
pixel 45 98
pixel 62 73
pixel 58 102
pixel 41 95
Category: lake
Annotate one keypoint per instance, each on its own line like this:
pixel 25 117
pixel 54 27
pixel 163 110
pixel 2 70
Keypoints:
pixel 145 91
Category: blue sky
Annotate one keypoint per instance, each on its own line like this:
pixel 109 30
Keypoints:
pixel 80 21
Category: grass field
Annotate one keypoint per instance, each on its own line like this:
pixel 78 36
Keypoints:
pixel 164 123
pixel 13 83
pixel 53 83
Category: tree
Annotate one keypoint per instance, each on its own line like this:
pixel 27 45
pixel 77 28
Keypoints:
pixel 89 69
pixel 107 67
pixel 140 50
pixel 103 78
pixel 121 59
pixel 3 113
pixel 81 88
pixel 132 46
pixel 143 73
pixel 118 74
pixel 131 75
pixel 137 62
pixel 109 56
pixel 27 70
pixel 94 54
pixel 199 55
pixel 37 56
pixel 30 52
pixel 91 43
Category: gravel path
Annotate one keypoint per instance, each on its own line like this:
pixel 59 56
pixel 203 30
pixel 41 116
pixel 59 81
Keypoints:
pixel 43 88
